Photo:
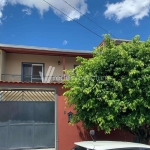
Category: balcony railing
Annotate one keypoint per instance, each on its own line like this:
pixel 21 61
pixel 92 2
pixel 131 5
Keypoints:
pixel 22 78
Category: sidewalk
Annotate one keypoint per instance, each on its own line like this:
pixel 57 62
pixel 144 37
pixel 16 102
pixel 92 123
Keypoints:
pixel 42 149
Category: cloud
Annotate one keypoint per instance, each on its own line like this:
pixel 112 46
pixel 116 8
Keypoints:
pixel 43 7
pixel 65 42
pixel 27 11
pixel 137 9
pixel 2 4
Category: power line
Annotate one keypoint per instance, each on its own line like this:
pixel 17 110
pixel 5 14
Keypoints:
pixel 74 20
pixel 88 18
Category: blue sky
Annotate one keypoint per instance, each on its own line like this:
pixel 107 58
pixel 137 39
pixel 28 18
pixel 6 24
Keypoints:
pixel 35 23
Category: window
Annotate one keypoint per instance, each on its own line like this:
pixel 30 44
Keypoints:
pixel 32 72
pixel 75 66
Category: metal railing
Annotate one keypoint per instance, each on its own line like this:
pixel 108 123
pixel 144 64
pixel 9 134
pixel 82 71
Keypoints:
pixel 22 78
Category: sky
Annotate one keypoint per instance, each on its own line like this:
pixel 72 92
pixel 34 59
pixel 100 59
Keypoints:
pixel 72 24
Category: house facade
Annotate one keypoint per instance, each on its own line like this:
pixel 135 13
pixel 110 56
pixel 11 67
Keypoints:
pixel 32 105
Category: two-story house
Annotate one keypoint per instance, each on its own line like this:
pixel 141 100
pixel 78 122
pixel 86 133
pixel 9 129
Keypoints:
pixel 32 106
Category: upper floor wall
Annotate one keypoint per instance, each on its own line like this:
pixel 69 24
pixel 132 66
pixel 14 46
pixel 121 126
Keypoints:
pixel 35 64
pixel 13 63
pixel 26 67
pixel 2 62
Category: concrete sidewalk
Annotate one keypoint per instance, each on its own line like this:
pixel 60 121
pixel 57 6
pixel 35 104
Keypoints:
pixel 41 149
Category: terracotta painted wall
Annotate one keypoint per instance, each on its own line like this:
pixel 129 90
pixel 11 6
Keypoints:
pixel 68 134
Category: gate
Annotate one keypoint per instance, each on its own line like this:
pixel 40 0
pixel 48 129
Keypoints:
pixel 27 119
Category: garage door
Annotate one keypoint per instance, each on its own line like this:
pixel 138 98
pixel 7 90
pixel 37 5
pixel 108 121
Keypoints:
pixel 27 119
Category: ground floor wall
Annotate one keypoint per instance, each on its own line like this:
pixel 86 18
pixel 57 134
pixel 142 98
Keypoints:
pixel 67 134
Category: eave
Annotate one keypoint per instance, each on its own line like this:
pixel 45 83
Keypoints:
pixel 44 51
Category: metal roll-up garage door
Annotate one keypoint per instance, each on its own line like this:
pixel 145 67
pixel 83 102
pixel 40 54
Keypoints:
pixel 27 119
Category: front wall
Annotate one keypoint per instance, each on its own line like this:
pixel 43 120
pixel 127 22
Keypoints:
pixel 2 62
pixel 68 134
pixel 70 62
pixel 14 63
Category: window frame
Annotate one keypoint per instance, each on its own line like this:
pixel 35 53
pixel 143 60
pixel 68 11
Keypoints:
pixel 32 64
pixel 75 67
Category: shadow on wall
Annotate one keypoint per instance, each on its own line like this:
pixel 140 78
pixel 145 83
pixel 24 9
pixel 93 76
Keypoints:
pixel 115 135
pixel 83 134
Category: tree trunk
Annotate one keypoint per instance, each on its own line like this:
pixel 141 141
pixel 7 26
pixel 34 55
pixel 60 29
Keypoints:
pixel 143 140
pixel 142 132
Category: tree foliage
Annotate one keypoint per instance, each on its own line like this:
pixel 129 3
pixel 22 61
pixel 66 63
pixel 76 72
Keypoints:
pixel 112 89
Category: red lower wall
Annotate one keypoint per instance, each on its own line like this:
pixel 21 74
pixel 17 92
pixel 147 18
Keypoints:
pixel 68 134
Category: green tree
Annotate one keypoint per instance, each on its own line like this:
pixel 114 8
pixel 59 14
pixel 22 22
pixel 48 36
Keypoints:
pixel 112 89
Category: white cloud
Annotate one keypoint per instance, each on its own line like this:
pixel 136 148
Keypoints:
pixel 65 42
pixel 137 9
pixel 42 7
pixel 27 11
pixel 2 4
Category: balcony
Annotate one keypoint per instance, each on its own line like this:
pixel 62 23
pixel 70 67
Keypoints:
pixel 31 79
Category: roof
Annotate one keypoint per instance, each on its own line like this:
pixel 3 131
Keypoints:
pixel 118 41
pixel 43 50
pixel 103 145
pixel 122 40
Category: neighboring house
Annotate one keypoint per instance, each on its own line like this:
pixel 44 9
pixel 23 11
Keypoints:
pixel 33 112
pixel 117 41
